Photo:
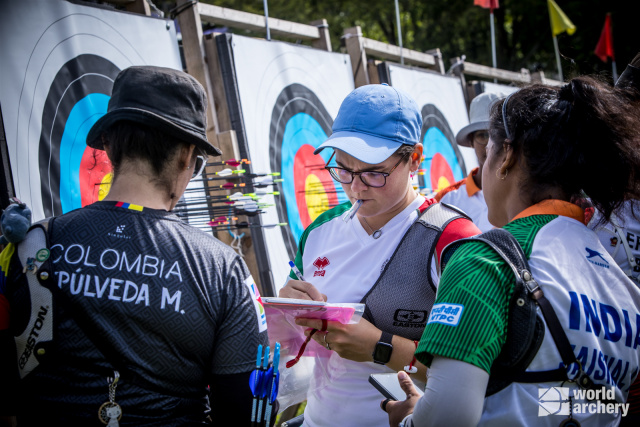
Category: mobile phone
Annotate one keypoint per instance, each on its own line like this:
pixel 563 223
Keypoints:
pixel 388 385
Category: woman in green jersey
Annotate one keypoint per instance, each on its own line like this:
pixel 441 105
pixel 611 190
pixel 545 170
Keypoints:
pixel 547 147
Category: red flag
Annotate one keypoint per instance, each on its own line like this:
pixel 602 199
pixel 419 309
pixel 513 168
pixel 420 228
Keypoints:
pixel 604 48
pixel 487 4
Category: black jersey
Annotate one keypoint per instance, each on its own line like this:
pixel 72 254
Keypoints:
pixel 173 304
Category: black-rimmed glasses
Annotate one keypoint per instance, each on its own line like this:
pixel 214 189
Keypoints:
pixel 368 178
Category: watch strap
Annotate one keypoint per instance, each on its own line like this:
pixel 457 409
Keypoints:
pixel 386 337
pixel 382 352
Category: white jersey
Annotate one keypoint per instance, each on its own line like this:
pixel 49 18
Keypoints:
pixel 600 315
pixel 343 261
pixel 621 238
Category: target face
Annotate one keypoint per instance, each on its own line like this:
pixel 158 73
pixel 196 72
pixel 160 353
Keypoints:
pixel 58 66
pixel 74 175
pixel 443 164
pixel 299 124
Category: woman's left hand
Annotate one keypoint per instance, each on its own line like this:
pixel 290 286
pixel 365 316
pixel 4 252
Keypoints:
pixel 399 410
pixel 354 342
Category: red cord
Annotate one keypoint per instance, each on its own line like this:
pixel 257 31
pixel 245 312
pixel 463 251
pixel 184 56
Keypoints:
pixel 411 369
pixel 292 362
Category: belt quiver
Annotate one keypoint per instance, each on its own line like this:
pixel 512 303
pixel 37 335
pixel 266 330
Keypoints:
pixel 33 330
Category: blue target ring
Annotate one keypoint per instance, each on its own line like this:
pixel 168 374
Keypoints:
pixel 443 160
pixel 299 124
pixel 300 130
pixel 73 145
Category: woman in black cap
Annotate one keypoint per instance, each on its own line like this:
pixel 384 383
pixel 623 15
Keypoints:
pixel 155 322
pixel 547 148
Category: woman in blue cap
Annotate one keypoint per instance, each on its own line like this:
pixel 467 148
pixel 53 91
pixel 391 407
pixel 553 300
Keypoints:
pixel 353 253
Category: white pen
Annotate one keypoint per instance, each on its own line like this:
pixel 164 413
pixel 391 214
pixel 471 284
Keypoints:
pixel 296 271
pixel 352 212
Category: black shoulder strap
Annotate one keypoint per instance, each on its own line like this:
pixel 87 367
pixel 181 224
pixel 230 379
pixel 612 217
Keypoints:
pixel 525 332
pixel 553 324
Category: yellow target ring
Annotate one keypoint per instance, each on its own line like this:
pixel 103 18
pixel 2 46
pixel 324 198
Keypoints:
pixel 442 183
pixel 105 186
pixel 316 197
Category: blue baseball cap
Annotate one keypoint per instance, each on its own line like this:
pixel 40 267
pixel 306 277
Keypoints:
pixel 373 122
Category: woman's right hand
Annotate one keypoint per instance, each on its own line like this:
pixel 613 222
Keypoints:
pixel 301 290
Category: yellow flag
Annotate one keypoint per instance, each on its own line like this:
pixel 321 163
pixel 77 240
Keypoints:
pixel 559 21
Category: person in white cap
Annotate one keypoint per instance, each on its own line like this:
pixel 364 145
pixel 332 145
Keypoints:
pixel 466 194
pixel 349 257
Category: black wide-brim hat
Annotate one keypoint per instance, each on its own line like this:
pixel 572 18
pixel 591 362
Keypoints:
pixel 162 98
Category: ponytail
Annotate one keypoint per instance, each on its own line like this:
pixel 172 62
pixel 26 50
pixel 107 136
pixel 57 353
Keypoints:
pixel 581 138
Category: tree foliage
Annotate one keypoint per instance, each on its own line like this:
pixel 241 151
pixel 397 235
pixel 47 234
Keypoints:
pixel 457 27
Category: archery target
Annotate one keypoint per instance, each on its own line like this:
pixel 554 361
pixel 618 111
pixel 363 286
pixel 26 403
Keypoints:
pixel 57 77
pixel 443 164
pixel 299 124
pixel 74 175
pixel 287 97
pixel 444 113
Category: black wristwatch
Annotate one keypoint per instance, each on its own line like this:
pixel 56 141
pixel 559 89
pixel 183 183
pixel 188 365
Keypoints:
pixel 382 351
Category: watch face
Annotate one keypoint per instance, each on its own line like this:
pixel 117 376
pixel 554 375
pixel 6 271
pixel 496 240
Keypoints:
pixel 382 352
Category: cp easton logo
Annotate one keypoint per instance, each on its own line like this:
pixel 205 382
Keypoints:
pixel 320 264
pixel 410 318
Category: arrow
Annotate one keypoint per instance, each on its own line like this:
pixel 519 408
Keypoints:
pixel 255 383
pixel 229 162
pixel 263 384
pixel 274 383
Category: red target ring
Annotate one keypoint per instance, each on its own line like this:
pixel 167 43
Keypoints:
pixel 313 185
pixel 95 176
pixel 441 173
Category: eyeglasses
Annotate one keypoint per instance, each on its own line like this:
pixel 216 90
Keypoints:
pixel 201 162
pixel 368 178
pixel 481 137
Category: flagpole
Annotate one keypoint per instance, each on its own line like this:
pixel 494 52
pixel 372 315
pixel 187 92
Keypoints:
pixel 399 32
pixel 614 70
pixel 555 45
pixel 493 43
pixel 266 18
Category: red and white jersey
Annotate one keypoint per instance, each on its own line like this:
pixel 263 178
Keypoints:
pixel 343 261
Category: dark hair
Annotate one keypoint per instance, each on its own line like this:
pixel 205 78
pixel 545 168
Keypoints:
pixel 135 141
pixel 579 138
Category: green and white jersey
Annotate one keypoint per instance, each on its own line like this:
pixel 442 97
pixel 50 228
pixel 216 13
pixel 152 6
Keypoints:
pixel 597 305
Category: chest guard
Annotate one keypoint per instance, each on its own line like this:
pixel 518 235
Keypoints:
pixel 401 299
